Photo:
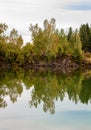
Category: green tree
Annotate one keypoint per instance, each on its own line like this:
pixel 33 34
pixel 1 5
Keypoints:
pixel 70 32
pixel 85 35
pixel 78 53
pixel 28 53
pixel 63 47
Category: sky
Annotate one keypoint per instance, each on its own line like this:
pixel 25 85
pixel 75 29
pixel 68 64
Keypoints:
pixel 20 14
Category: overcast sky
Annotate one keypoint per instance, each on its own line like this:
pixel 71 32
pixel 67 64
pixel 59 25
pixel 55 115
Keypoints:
pixel 20 13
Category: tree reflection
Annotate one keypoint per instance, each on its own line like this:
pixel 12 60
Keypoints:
pixel 9 86
pixel 49 87
pixel 85 93
pixel 2 95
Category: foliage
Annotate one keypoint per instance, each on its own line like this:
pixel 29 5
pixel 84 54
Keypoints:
pixel 85 35
pixel 48 43
pixel 45 41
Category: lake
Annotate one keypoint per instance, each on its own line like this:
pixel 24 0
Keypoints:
pixel 44 100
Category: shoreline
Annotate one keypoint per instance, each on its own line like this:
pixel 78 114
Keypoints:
pixel 66 64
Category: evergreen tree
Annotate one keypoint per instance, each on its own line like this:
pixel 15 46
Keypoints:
pixel 70 32
pixel 85 35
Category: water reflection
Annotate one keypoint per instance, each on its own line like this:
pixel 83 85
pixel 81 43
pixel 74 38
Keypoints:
pixel 48 87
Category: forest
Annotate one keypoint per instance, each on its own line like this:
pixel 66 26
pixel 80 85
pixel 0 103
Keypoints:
pixel 49 45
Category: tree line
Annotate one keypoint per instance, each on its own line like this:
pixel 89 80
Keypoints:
pixel 48 43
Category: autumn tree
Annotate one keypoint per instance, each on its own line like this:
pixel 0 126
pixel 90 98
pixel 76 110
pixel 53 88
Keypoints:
pixel 3 41
pixel 15 38
pixel 3 28
pixel 13 47
pixel 45 40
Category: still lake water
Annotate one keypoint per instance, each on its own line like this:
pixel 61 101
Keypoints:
pixel 44 100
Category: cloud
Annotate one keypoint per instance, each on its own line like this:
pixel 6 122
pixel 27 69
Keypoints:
pixel 79 6
pixel 20 13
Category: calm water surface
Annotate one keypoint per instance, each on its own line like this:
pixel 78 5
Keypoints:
pixel 44 100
